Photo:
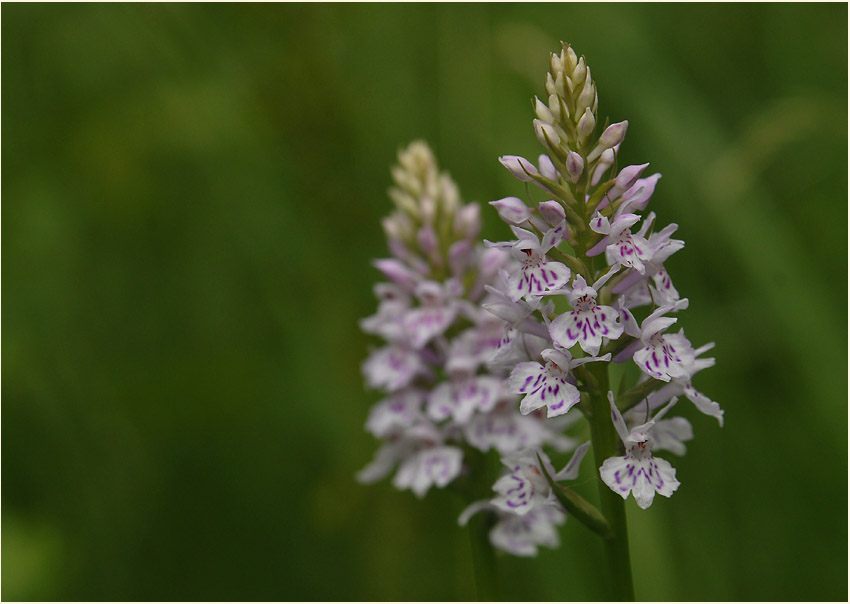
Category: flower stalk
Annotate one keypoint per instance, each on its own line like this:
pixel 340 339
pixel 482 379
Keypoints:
pixel 606 445
pixel 478 355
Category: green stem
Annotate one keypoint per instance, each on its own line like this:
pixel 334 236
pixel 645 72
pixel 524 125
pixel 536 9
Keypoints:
pixel 483 557
pixel 605 445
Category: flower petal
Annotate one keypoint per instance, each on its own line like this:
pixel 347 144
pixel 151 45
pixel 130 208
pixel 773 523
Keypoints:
pixel 542 389
pixel 617 418
pixel 612 472
pixel 704 404
pixel 570 471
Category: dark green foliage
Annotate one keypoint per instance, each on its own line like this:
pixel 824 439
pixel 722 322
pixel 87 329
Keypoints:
pixel 191 197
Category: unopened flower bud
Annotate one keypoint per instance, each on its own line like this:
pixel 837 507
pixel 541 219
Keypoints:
pixel 626 178
pixel 587 92
pixel 547 168
pixel 512 210
pixel 569 59
pixel 397 248
pixel 545 131
pixel 460 254
pixel 543 112
pixel 586 124
pixel 639 193
pixel 556 108
pixel 579 72
pixel 392 228
pixel 404 202
pixel 397 271
pixel 575 165
pixel 605 162
pixel 406 180
pixel 449 194
pixel 428 209
pixel 427 239
pixel 519 167
pixel 613 135
pixel 538 223
pixel 552 212
pixel 468 221
pixel 555 64
pixel 417 157
pixel 550 85
pixel 563 84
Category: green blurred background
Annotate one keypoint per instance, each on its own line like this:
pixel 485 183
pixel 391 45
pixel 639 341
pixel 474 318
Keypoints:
pixel 191 199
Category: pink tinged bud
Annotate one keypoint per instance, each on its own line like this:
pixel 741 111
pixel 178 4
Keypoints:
pixel 628 176
pixel 605 162
pixel 539 224
pixel 575 165
pixel 542 111
pixel 460 255
pixel 547 168
pixel 397 248
pixel 552 212
pixel 545 131
pixel 468 221
pixel 396 271
pixel 519 167
pixel 427 239
pixel 586 124
pixel 492 259
pixel 613 135
pixel 512 210
pixel 637 197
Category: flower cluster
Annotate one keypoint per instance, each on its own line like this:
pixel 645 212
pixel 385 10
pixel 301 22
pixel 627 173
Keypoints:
pixel 504 345
pixel 445 385
pixel 594 209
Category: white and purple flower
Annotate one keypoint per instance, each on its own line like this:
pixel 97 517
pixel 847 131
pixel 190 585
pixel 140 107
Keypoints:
pixel 464 395
pixel 588 323
pixel 393 367
pixel 664 356
pixel 434 466
pixel 679 386
pixel 548 385
pixel 619 245
pixel 524 487
pixel 638 472
pixel 537 275
pixel 436 312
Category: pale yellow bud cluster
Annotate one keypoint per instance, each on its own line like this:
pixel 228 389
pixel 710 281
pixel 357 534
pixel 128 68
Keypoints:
pixel 421 191
pixel 567 121
pixel 430 216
